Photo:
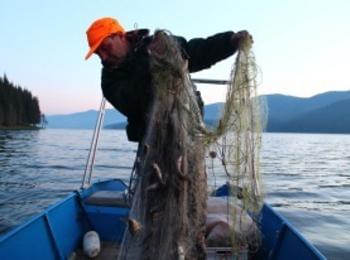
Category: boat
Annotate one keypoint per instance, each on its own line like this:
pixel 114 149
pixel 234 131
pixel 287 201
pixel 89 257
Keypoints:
pixel 57 233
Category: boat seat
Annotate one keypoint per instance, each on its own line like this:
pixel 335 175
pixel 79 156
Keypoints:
pixel 108 198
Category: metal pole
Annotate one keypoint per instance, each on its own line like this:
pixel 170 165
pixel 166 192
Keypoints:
pixel 93 146
pixel 211 81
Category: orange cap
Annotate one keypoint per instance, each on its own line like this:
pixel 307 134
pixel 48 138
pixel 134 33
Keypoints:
pixel 99 30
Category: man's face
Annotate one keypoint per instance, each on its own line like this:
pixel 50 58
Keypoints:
pixel 113 50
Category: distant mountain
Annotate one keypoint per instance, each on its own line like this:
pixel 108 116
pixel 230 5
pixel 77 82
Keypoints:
pixel 333 118
pixel 212 112
pixel 286 113
pixel 121 125
pixel 284 108
pixel 324 113
pixel 113 119
pixel 83 120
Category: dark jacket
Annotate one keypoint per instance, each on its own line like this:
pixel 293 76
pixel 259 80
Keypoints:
pixel 128 87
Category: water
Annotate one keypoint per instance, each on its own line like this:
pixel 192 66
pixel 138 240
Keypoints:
pixel 306 177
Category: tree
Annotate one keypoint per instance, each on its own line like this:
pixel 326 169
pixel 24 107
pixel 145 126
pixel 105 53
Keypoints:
pixel 18 107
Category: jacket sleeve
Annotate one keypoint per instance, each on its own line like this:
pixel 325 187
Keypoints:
pixel 203 53
pixel 123 89
pixel 114 88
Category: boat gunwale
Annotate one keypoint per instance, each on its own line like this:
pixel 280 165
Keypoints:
pixel 75 193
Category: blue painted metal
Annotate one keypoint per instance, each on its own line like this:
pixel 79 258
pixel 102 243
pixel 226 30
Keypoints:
pixel 109 222
pixel 50 235
pixel 222 191
pixel 58 231
pixel 280 239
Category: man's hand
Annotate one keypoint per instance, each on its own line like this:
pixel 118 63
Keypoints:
pixel 242 38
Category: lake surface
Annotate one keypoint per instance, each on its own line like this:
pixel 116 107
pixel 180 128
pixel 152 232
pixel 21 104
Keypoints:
pixel 306 177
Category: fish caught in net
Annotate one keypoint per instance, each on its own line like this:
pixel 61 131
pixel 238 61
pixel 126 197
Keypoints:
pixel 168 218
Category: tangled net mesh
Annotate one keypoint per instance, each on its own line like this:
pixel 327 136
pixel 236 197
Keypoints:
pixel 168 215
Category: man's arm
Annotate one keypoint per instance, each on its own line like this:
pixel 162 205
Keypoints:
pixel 114 88
pixel 129 96
pixel 203 53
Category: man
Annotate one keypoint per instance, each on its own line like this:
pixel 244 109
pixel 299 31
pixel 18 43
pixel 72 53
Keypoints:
pixel 126 78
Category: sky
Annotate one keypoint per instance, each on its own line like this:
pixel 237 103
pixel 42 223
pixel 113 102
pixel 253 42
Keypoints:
pixel 301 46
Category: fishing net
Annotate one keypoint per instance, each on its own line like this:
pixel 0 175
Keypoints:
pixel 235 143
pixel 168 217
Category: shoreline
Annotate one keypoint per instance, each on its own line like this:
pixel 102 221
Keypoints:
pixel 20 128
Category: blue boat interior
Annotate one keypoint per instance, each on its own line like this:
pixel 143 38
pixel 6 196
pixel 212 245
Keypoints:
pixel 57 233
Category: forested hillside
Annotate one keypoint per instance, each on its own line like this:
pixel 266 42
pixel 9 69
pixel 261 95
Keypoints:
pixel 18 107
